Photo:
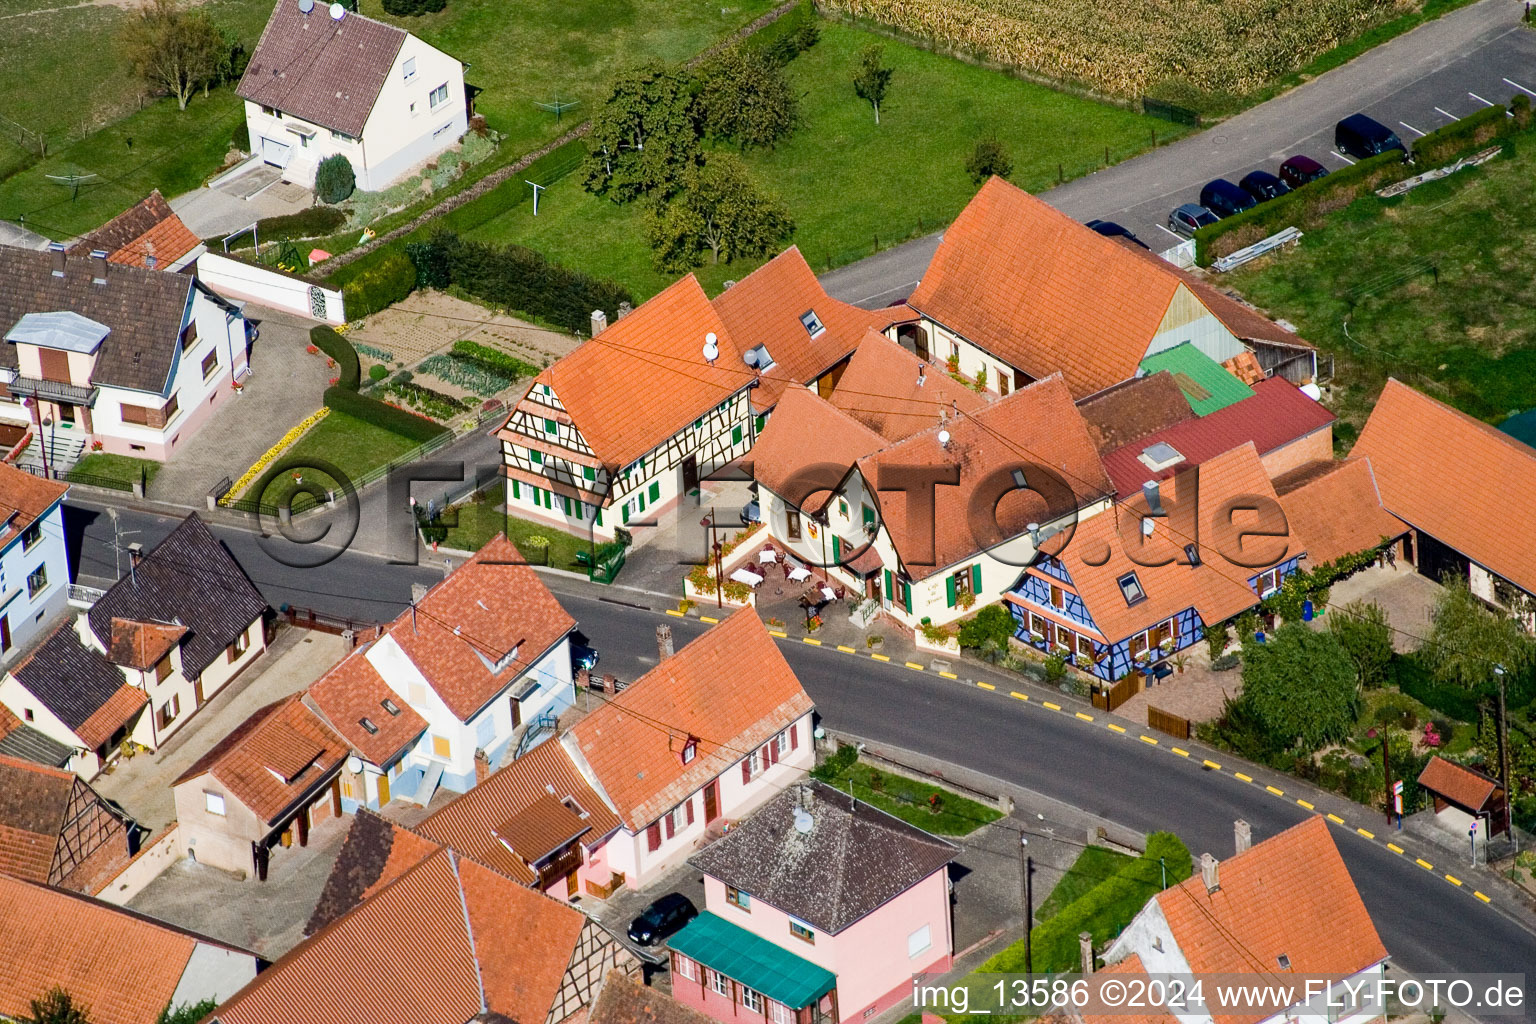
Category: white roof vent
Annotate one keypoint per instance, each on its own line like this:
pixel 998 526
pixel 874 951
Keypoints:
pixel 1159 456
pixel 711 348
pixel 338 12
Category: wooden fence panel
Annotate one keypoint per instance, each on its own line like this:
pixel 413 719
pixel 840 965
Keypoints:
pixel 1168 723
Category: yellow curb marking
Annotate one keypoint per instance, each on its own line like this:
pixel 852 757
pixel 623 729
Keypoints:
pixel 1017 695
pixel 1368 835
pixel 986 686
pixel 1421 862
pixel 1211 764
pixel 915 666
pixel 1394 848
pixel 810 640
pixel 1148 739
pixel 1086 718
pixel 1303 803
pixel 1480 896
pixel 1053 707
pixel 881 657
pixel 674 611
pixel 775 632
pixel 949 675
pixel 1117 728
pixel 1277 792
pixel 1181 752
pixel 1453 880
pixel 708 618
pixel 1245 778
pixel 845 650
pixel 1335 819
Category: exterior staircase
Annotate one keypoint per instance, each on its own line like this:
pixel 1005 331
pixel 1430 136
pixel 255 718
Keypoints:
pixel 64 450
pixel 428 787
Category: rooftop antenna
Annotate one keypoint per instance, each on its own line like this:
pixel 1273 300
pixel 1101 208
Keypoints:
pixel 118 549
pixel 558 106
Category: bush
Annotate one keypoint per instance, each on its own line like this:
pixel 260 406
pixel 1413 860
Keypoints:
pixel 335 180
pixel 378 371
pixel 990 157
pixel 1415 679
pixel 837 763
pixel 385 282
pixel 386 417
pixel 308 223
pixel 411 8
pixel 993 626
pixel 1362 628
pixel 789 37
pixel 341 350
pixel 1464 137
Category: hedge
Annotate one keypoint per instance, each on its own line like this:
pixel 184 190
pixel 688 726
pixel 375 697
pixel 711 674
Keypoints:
pixel 1470 134
pixel 382 284
pixel 340 349
pixel 386 417
pixel 311 222
pixel 1414 679
pixel 1104 910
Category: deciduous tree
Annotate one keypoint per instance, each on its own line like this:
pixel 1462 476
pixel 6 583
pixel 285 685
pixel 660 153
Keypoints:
pixel 989 158
pixel 1301 684
pixel 1362 629
pixel 744 96
pixel 56 1007
pixel 644 137
pixel 172 49
pixel 1467 639
pixel 719 210
pixel 872 78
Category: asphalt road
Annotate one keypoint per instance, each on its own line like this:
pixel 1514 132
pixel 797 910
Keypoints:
pixel 1418 82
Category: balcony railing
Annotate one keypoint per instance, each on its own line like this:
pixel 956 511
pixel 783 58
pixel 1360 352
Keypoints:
pixel 84 597
pixel 54 391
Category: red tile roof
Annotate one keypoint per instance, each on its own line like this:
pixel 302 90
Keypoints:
pixel 1130 967
pixel 490 607
pixel 119 710
pixel 24 499
pixel 141 645
pixel 633 743
pixel 805 438
pixel 1277 414
pixel 624 1000
pixel 1289 896
pixel 354 690
pixel 1463 482
pixel 33 801
pixel 478 942
pixel 1044 293
pixel 148 229
pixel 1135 409
pixel 764 308
pixel 123 967
pixel 541 828
pixel 1099 552
pixel 376 852
pixel 1035 426
pixel 1335 509
pixel 273 758
pixel 468 823
pixel 1469 788
pixel 880 390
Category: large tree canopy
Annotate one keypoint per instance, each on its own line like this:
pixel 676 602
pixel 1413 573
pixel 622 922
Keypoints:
pixel 1301 684
pixel 719 210
pixel 744 97
pixel 644 136
pixel 1467 639
pixel 174 50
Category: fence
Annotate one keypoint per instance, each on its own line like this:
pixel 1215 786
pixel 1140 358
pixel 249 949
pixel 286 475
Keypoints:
pixel 324 622
pixel 1108 698
pixel 1165 722
pixel 74 476
pixel 1170 111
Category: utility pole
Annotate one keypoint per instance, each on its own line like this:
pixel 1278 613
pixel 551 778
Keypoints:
pixel 1498 670
pixel 1386 768
pixel 1027 866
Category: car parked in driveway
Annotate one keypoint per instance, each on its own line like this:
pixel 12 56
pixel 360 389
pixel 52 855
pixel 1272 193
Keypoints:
pixel 1263 186
pixel 1301 170
pixel 1224 199
pixel 1189 218
pixel 1109 229
pixel 1361 137
pixel 661 919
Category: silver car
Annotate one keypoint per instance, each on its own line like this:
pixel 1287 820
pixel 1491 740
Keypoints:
pixel 1189 218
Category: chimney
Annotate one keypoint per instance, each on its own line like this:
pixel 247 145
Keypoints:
pixel 482 767
pixel 1154 498
pixel 1242 835
pixel 57 249
pixel 98 266
pixel 418 591
pixel 135 553
pixel 1208 866
pixel 599 322
pixel 922 375
pixel 1085 946
pixel 625 309
pixel 664 641
pixel 150 260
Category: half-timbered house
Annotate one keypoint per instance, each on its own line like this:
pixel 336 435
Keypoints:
pixel 56 829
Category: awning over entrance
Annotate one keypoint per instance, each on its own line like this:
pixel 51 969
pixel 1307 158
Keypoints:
pixel 754 962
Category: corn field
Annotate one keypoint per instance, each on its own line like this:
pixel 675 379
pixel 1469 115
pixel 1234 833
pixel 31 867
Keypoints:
pixel 1126 49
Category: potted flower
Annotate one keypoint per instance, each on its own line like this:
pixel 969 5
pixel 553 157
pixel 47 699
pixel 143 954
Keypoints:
pixel 1168 645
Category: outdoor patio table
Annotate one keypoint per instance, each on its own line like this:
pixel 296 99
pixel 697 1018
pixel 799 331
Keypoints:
pixel 746 576
pixel 767 556
pixel 829 593
pixel 799 573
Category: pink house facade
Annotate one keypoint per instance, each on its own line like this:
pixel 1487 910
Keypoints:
pixel 792 936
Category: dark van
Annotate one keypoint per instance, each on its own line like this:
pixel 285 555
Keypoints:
pixel 1360 137
pixel 1224 199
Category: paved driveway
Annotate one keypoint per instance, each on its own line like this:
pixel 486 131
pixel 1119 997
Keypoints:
pixel 286 384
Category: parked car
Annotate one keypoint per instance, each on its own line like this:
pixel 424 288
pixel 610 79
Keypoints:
pixel 1300 170
pixel 1224 199
pixel 1361 137
pixel 1109 229
pixel 1263 186
pixel 1189 218
pixel 661 919
pixel 751 513
pixel 583 656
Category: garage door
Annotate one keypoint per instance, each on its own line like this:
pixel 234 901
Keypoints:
pixel 274 152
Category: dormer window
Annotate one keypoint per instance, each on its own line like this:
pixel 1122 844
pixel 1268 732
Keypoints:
pixel 368 726
pixel 690 750
pixel 812 323
pixel 1131 590
pixel 390 706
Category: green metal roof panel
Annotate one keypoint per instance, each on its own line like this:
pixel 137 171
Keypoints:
pixel 753 961
pixel 1207 385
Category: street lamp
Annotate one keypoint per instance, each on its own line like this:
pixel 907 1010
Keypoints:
pixel 1027 865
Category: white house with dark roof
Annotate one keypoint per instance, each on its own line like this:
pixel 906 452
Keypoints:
pixel 34 560
pixel 324 81
pixel 100 352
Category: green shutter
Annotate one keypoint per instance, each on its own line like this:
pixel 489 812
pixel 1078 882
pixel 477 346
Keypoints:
pixel 537 457
pixel 906 596
pixel 597 515
pixel 655 490
pixel 565 503
pixel 624 511
pixel 869 516
pixel 589 472
pixel 949 591
pixel 736 434
pixel 760 421
pixel 890 594
pixel 837 549
pixel 517 492
pixel 976 579
pixel 550 427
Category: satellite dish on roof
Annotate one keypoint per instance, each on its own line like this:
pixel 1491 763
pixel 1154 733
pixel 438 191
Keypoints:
pixel 305 6
pixel 750 357
pixel 711 347
pixel 1312 391
pixel 803 821
pixel 354 763
pixel 944 439
pixel 338 12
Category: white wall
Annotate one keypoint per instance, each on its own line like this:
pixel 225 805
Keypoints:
pixel 240 280
pixel 29 616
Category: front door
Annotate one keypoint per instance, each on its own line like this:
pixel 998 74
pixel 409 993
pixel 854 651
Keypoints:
pixel 570 885
pixel 711 801
pixel 517 713
pixel 66 414
pixel 690 474
pixel 383 790
pixel 5 633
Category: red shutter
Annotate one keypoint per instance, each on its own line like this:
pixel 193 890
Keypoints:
pixel 768 754
pixel 670 830
pixel 689 805
pixel 653 837
pixel 746 769
pixel 794 738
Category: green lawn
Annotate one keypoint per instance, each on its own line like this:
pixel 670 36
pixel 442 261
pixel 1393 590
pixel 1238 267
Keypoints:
pixel 849 184
pixel 1093 865
pixel 908 800
pixel 124 468
pixel 346 442
pixel 1433 288
pixel 478 522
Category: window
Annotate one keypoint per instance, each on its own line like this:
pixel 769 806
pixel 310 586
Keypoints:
pixel 1002 382
pixel 720 983
pixel 1130 589
pixel 736 897
pixel 792 523
pixel 441 747
pixel 270 112
pixel 408 69
pixel 919 941
pixel 438 96
pixel 368 726
pixel 1269 581
pixel 413 108
pixel 1084 646
pixel 685 967
pixel 136 414
pixel 751 1000
pixel 963 581
pixel 241 645
pixel 167 413
pixel 803 932
pixel 842 507
pixel 167 712
pixel 31 536
pixel 784 742
pixel 37 581
pixel 162 669
pixel 690 751
pixel 210 364
pixel 390 706
pixel 812 323
pixel 213 803
pixel 1058 600
pixel 189 335
pixel 783 1014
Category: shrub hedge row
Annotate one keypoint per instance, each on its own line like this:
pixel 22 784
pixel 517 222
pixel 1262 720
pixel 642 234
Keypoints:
pixel 383 283
pixel 343 396
pixel 1472 133
pixel 494 359
pixel 1104 910
pixel 311 222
